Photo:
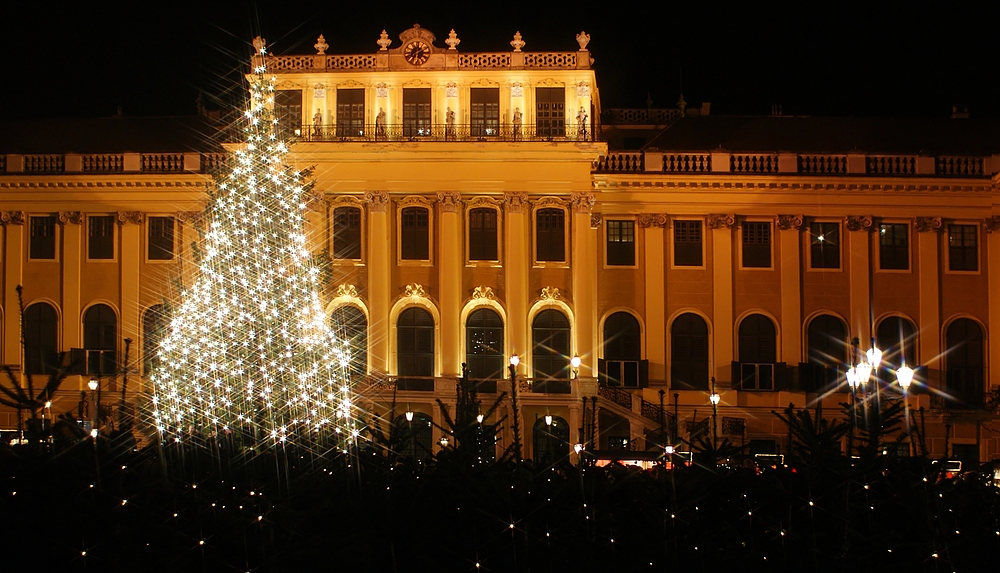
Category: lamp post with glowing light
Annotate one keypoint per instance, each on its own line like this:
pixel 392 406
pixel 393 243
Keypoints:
pixel 515 406
pixel 904 377
pixel 95 389
pixel 410 436
pixel 714 398
pixel 575 363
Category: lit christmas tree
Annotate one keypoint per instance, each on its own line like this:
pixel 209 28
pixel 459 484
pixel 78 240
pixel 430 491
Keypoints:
pixel 248 349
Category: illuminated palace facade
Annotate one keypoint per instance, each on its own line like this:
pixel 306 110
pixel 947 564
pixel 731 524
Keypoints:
pixel 474 206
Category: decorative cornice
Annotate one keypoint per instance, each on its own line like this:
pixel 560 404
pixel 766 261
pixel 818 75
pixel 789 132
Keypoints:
pixel 346 290
pixel 193 217
pixel 789 222
pixel 410 200
pixel 482 201
pixel 132 217
pixel 860 223
pixel 992 224
pixel 415 291
pixel 70 217
pixel 347 201
pixel 721 221
pixel 549 293
pixel 377 201
pixel 483 293
pixel 929 224
pixel 549 201
pixel 595 220
pixel 449 201
pixel 653 220
pixel 582 202
pixel 12 218
pixel 515 201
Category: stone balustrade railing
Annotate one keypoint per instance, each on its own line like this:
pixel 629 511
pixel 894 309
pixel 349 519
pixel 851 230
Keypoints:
pixel 111 163
pixel 452 60
pixel 802 164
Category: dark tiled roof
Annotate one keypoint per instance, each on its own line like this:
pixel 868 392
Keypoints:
pixel 932 136
pixel 110 135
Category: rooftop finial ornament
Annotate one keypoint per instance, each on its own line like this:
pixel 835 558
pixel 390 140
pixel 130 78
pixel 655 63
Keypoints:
pixel 384 41
pixel 517 43
pixel 452 40
pixel 583 39
pixel 260 45
pixel 321 45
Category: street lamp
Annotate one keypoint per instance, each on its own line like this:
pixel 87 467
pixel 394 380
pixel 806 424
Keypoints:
pixel 95 387
pixel 904 376
pixel 548 419
pixel 409 416
pixel 575 363
pixel 714 398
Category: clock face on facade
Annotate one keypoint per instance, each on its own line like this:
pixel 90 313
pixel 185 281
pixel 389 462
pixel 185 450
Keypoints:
pixel 417 52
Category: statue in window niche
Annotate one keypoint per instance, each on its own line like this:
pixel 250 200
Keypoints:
pixel 318 123
pixel 581 122
pixel 449 120
pixel 380 123
pixel 517 123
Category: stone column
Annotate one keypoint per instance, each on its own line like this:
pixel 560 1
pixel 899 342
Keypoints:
pixel 790 241
pixel 722 294
pixel 993 270
pixel 13 265
pixel 929 282
pixel 71 260
pixel 517 260
pixel 379 279
pixel 583 264
pixel 656 295
pixel 450 281
pixel 858 257
pixel 130 223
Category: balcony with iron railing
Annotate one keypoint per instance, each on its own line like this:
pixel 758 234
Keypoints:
pixel 481 386
pixel 505 132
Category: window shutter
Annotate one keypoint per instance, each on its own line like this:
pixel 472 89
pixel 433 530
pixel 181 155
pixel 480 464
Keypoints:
pixel 737 377
pixel 602 371
pixel 644 373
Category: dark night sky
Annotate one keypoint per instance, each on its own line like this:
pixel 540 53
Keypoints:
pixel 814 58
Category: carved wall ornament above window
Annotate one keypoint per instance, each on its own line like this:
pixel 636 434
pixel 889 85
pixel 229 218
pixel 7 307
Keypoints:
pixel 516 89
pixel 449 201
pixel 133 217
pixel 451 89
pixel 515 201
pixel 319 91
pixel 652 220
pixel 928 224
pixel 483 292
pixel 582 202
pixel 381 90
pixel 595 220
pixel 346 290
pixel 377 200
pixel 789 222
pixel 549 293
pixel 583 89
pixel 12 218
pixel 193 217
pixel 71 217
pixel 723 221
pixel 992 224
pixel 415 291
pixel 860 223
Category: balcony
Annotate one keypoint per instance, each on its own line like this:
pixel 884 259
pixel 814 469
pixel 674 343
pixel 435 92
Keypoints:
pixel 372 133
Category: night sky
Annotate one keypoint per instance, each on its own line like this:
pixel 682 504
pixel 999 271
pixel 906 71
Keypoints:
pixel 813 58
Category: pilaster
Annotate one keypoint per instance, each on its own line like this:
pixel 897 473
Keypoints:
pixel 993 268
pixel 656 295
pixel 859 266
pixel 584 272
pixel 790 243
pixel 379 277
pixel 13 263
pixel 722 293
pixel 516 261
pixel 928 277
pixel 71 261
pixel 450 281
pixel 131 226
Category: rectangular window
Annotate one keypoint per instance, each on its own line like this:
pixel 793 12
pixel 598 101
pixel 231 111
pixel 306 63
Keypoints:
pixel 550 112
pixel 687 244
pixel 484 112
pixel 416 112
pixel 756 244
pixel 43 237
pixel 288 112
pixel 550 239
pixel 350 112
pixel 483 235
pixel 894 246
pixel 101 237
pixel 160 239
pixel 824 247
pixel 621 243
pixel 414 234
pixel 347 233
pixel 963 252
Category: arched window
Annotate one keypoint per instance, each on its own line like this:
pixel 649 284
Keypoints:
pixel 896 337
pixel 350 324
pixel 154 328
pixel 689 352
pixel 100 338
pixel 414 437
pixel 964 362
pixel 415 349
pixel 622 364
pixel 550 345
pixel 828 352
pixel 758 354
pixel 41 339
pixel 550 441
pixel 484 344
